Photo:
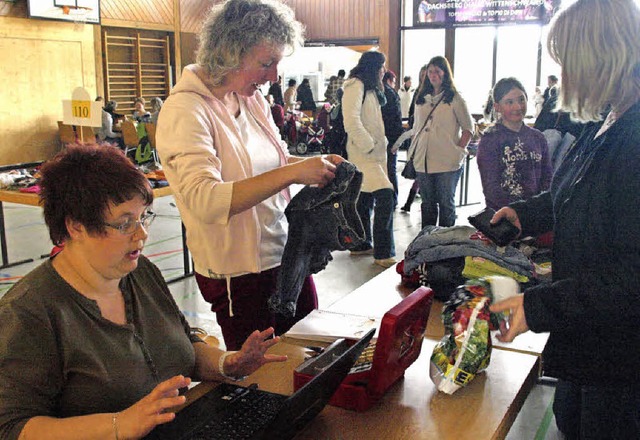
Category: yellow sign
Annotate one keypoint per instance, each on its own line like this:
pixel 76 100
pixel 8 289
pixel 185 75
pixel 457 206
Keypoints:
pixel 81 109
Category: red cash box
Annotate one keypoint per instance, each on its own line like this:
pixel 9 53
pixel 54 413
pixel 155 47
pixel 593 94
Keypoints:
pixel 398 345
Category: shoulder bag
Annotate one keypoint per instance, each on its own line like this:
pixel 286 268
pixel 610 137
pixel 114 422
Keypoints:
pixel 409 170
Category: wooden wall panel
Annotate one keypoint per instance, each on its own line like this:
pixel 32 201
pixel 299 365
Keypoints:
pixel 43 61
pixel 192 12
pixel 188 47
pixel 323 19
pixel 345 19
pixel 141 14
pixel 17 9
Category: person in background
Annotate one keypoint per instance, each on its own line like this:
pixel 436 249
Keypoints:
pixel 406 95
pixel 413 191
pixel 156 105
pixel 229 169
pixel 140 114
pixel 275 90
pixel 547 117
pixel 335 83
pixel 305 96
pixel 367 149
pixel 538 101
pixel 336 138
pixel 392 118
pixel 277 112
pixel 591 306
pixel 290 95
pixel 422 76
pixel 106 132
pixel 513 159
pixel 92 343
pixel 488 110
pixel 440 140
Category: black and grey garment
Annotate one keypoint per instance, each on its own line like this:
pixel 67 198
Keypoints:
pixel 321 220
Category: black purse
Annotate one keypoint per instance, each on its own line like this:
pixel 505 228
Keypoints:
pixel 409 170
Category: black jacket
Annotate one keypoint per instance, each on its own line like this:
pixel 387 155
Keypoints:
pixel 592 308
pixel 321 220
pixel 276 91
pixel 392 115
pixel 305 96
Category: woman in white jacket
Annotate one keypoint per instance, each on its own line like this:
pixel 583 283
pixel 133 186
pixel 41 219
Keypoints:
pixel 441 131
pixel 367 149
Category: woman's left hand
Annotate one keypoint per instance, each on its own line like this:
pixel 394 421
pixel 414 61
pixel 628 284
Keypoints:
pixel 517 320
pixel 253 354
pixel 319 170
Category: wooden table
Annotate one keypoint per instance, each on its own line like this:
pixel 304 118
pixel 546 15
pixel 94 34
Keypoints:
pixel 413 408
pixel 32 199
pixel 384 291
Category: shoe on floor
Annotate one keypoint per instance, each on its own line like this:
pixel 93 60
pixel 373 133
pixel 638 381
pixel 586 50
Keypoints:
pixel 405 208
pixel 385 262
pixel 362 251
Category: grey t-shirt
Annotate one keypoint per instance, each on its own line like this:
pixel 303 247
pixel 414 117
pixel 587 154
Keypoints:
pixel 59 357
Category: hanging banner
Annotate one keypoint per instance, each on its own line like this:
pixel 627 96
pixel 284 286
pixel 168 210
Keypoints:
pixel 452 13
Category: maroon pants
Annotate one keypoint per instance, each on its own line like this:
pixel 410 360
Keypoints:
pixel 249 295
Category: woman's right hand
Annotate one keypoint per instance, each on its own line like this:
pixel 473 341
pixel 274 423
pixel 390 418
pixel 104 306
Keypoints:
pixel 319 170
pixel 508 213
pixel 152 410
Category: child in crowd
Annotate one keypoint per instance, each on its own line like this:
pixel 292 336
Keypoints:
pixel 513 158
pixel 140 114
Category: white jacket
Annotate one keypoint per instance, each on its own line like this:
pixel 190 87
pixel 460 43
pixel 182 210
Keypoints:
pixel 437 143
pixel 366 143
pixel 405 100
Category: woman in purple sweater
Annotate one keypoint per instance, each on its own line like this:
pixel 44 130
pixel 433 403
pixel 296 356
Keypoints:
pixel 513 159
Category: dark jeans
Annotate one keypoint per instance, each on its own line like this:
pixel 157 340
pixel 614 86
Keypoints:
pixel 381 204
pixel 438 192
pixel 249 296
pixel 597 412
pixel 392 171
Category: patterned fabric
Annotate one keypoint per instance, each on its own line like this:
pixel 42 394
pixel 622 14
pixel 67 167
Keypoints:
pixel 332 88
pixel 513 165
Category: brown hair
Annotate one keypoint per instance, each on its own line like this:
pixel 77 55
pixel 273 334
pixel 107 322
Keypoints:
pixel 81 182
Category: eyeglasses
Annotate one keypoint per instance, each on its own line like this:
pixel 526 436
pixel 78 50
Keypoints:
pixel 130 226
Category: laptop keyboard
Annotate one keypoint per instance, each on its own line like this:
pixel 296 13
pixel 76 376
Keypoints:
pixel 249 410
pixel 365 361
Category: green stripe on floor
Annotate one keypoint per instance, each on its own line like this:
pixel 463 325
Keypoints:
pixel 541 433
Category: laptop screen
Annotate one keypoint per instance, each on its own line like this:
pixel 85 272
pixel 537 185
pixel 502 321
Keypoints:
pixel 309 400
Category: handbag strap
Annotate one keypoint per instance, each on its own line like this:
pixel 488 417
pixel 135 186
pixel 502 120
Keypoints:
pixel 426 121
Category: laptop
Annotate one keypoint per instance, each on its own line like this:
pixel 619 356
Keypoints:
pixel 235 412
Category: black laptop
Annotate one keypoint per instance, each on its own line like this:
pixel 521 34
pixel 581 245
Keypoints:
pixel 235 412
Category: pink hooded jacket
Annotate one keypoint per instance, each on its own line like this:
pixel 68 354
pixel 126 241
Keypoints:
pixel 202 155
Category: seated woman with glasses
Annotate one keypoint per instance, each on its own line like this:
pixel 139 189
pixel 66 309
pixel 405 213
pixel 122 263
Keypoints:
pixel 91 341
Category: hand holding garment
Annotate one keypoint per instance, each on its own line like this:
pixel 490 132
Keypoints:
pixel 321 220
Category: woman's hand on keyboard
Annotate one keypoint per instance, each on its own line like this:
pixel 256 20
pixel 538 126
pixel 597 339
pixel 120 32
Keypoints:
pixel 152 410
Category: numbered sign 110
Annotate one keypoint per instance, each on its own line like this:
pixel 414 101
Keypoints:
pixel 81 109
